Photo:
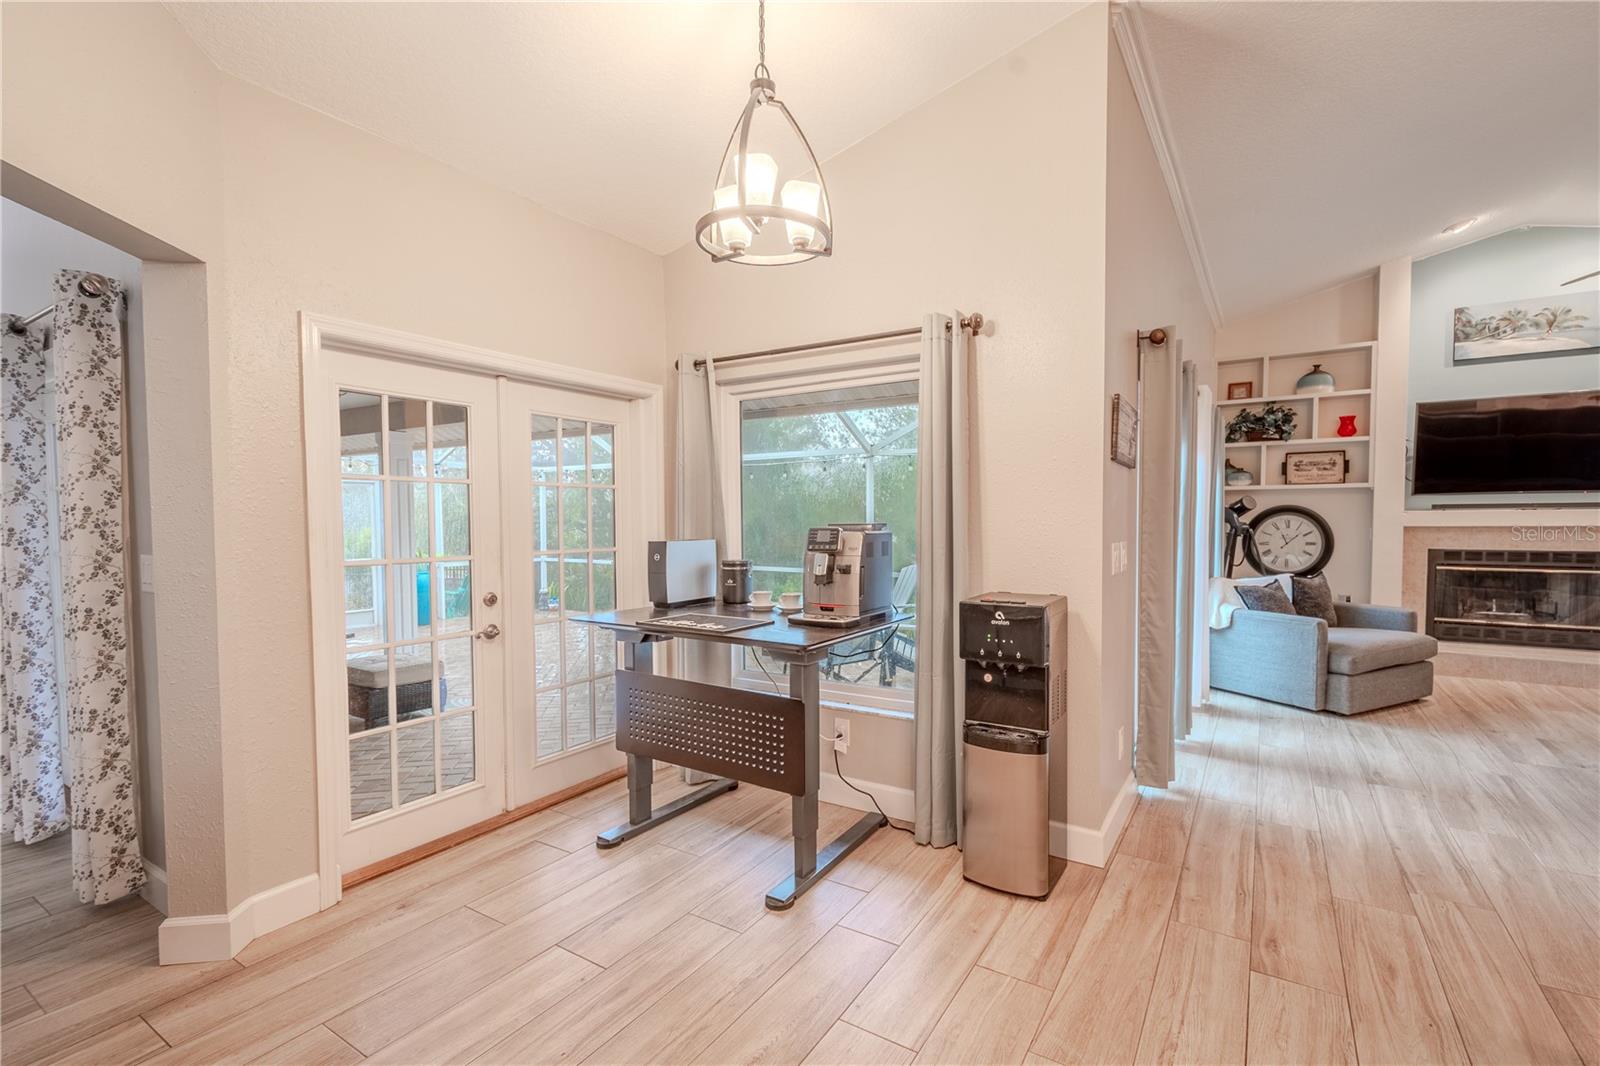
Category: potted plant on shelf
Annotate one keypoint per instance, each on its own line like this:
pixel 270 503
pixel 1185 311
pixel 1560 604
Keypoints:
pixel 1275 421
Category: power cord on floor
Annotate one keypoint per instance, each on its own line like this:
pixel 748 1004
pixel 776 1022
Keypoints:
pixel 873 799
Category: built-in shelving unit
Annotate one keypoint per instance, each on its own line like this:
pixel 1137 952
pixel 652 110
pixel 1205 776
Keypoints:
pixel 1272 379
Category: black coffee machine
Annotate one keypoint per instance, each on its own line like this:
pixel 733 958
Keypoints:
pixel 1015 647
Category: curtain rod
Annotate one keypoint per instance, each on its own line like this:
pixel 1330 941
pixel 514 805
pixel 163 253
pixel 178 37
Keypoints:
pixel 972 323
pixel 86 287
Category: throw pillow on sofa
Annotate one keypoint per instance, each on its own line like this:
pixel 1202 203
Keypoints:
pixel 1265 598
pixel 1314 599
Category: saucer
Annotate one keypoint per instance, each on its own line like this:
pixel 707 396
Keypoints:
pixel 781 609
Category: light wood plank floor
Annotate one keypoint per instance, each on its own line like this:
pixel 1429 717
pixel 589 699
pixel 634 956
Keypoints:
pixel 1421 884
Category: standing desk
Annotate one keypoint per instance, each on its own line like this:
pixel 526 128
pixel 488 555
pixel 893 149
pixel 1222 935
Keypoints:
pixel 760 738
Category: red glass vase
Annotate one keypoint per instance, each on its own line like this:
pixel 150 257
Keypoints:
pixel 1347 426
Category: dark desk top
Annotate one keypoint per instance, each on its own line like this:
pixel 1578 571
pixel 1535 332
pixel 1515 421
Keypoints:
pixel 778 635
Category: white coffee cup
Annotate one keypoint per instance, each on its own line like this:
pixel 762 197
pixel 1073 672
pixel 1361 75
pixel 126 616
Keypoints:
pixel 789 600
pixel 761 598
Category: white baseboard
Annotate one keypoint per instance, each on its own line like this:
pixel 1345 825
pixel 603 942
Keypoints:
pixel 155 886
pixel 1093 846
pixel 898 803
pixel 211 937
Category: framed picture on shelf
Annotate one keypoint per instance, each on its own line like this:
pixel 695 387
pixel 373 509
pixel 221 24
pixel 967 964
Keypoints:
pixel 1241 390
pixel 1315 468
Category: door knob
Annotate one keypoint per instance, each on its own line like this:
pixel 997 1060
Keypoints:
pixel 488 632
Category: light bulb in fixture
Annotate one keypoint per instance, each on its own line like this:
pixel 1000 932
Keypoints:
pixel 1456 227
pixel 761 177
pixel 801 196
pixel 732 233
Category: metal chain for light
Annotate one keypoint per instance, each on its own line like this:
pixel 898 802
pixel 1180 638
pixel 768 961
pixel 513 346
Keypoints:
pixel 761 40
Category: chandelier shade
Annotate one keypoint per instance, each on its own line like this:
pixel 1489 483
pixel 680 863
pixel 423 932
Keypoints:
pixel 748 198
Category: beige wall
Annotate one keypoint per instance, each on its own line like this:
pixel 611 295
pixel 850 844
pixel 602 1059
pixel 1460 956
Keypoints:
pixel 989 197
pixel 1150 282
pixel 290 211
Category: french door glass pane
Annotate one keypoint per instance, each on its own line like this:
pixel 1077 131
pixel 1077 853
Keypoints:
pixel 449 441
pixel 453 596
pixel 542 454
pixel 409 601
pixel 580 714
pixel 367 675
pixel 453 531
pixel 572 466
pixel 576 651
pixel 363 519
pixel 548 723
pixel 365 614
pixel 413 681
pixel 360 433
pixel 408 519
pixel 547 654
pixel 415 746
pixel 458 754
pixel 544 519
pixel 370 783
pixel 574 451
pixel 574 518
pixel 455 673
pixel 603 518
pixel 602 447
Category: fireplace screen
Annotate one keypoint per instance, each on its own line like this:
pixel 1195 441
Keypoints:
pixel 1550 599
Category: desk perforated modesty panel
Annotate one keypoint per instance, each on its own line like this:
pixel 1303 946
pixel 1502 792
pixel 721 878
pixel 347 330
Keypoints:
pixel 748 736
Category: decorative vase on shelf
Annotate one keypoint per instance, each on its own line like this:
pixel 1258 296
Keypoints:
pixel 1316 380
pixel 1237 475
pixel 1347 426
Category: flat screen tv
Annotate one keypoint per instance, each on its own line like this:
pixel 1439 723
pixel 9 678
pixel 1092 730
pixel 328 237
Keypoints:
pixel 1542 443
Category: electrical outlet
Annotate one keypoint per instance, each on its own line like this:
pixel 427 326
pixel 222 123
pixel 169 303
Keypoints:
pixel 1114 559
pixel 1122 743
pixel 841 736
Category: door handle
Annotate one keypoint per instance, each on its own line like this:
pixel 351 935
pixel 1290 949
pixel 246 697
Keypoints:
pixel 488 632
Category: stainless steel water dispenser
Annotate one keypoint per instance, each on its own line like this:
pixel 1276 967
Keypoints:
pixel 1015 647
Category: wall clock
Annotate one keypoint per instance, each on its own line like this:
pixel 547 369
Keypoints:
pixel 1288 540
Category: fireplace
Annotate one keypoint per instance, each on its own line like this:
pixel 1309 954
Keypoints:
pixel 1547 599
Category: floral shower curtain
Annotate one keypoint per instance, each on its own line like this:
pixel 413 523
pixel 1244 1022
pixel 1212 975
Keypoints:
pixel 30 742
pixel 86 354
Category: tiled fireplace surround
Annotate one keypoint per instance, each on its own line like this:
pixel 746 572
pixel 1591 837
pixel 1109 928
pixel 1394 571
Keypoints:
pixel 1548 666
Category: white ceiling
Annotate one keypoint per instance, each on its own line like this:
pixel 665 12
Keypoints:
pixel 1315 140
pixel 615 115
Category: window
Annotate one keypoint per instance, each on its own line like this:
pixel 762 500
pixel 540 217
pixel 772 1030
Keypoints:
pixel 845 455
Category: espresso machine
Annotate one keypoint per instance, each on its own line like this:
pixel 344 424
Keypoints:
pixel 1015 648
pixel 848 578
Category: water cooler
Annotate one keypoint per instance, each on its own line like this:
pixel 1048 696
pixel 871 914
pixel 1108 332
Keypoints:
pixel 1015 648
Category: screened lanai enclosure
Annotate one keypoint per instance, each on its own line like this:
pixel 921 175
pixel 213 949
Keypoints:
pixel 816 458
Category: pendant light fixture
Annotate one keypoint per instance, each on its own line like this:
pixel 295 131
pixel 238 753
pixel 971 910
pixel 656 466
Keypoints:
pixel 748 198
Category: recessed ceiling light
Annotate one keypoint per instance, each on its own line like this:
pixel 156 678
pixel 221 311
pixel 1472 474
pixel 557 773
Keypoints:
pixel 1456 227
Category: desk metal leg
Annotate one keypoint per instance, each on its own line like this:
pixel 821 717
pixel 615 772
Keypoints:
pixel 637 655
pixel 809 866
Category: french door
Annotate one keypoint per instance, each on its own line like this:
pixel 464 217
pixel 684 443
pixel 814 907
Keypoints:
pixel 565 490
pixel 475 515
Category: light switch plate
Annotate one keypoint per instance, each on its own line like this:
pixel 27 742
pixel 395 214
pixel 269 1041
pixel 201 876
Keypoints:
pixel 147 573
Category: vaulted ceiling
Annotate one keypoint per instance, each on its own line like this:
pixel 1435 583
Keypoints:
pixel 615 115
pixel 1310 140
pixel 1316 140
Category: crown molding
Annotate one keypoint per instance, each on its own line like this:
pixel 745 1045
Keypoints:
pixel 1126 25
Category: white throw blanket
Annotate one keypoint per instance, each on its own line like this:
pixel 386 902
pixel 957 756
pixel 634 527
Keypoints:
pixel 1222 600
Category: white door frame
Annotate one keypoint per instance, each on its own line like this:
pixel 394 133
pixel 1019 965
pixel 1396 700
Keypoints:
pixel 320 429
